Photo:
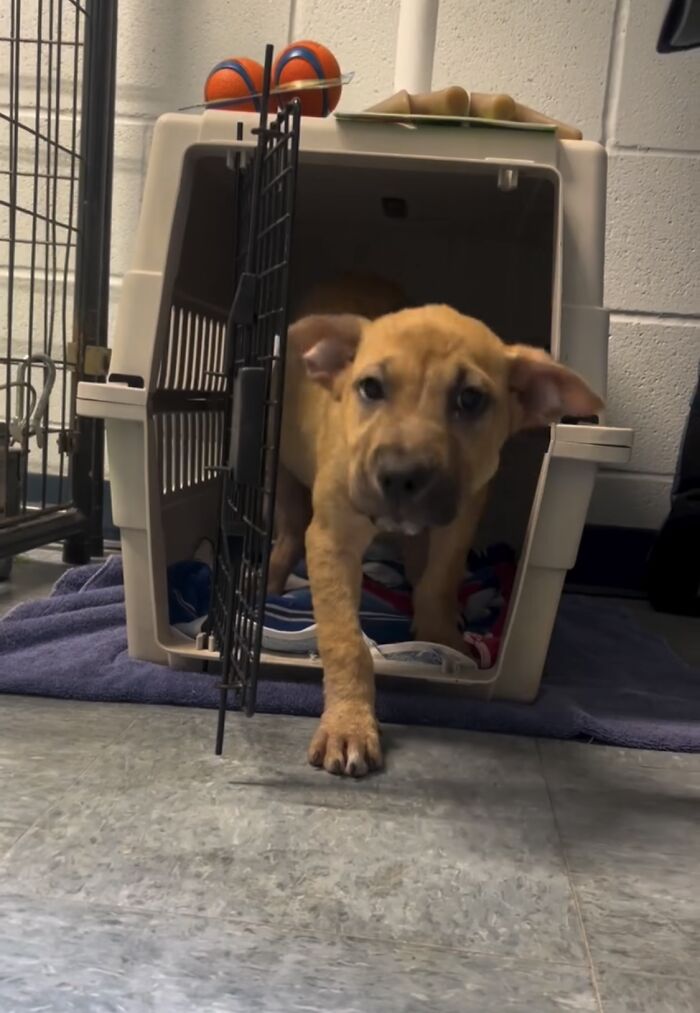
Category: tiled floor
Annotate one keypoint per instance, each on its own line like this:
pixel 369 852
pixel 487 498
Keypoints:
pixel 33 575
pixel 138 872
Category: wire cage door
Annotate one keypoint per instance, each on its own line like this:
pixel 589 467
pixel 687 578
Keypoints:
pixel 57 73
pixel 256 340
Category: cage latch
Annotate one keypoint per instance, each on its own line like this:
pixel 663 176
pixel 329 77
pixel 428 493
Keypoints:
pixel 68 441
pixel 96 358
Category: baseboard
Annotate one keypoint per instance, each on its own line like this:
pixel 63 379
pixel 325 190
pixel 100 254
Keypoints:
pixel 612 560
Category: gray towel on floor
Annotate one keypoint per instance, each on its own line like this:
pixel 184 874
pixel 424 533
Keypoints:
pixel 606 678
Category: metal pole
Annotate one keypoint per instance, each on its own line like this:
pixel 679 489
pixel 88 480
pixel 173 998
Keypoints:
pixel 415 45
pixel 92 261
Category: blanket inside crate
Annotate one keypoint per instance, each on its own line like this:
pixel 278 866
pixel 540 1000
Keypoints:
pixel 606 679
pixel 385 609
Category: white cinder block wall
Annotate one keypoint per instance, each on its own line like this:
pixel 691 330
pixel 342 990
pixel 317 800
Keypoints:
pixel 592 63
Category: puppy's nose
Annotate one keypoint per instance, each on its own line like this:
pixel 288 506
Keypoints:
pixel 403 482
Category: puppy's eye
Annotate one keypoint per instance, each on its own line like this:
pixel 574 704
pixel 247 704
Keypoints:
pixel 471 402
pixel 370 389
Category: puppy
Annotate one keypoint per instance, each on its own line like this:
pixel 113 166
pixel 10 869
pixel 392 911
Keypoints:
pixel 395 424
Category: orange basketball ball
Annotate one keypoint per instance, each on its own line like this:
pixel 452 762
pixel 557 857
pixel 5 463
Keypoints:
pixel 304 61
pixel 235 78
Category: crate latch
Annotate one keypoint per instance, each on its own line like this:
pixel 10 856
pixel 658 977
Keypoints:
pixel 96 358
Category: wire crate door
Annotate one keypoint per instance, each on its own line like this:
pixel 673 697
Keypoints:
pixel 257 336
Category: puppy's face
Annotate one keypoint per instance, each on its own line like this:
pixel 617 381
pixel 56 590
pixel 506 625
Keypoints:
pixel 428 398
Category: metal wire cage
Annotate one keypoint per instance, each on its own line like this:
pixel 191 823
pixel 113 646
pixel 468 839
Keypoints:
pixel 57 71
pixel 255 355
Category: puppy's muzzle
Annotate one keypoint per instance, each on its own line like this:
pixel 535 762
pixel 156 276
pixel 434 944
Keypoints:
pixel 411 490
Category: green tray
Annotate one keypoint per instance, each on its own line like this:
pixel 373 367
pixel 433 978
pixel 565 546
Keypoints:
pixel 420 119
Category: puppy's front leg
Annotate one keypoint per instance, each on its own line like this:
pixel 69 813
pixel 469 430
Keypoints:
pixel 347 740
pixel 435 604
pixel 292 516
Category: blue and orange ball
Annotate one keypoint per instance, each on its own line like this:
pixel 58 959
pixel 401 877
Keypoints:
pixel 303 61
pixel 236 78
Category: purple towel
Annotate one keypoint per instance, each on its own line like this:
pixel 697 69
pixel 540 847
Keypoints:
pixel 606 679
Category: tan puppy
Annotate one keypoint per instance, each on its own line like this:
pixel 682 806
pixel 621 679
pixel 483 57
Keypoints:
pixel 395 424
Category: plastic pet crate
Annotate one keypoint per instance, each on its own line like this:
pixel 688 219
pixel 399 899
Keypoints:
pixel 504 223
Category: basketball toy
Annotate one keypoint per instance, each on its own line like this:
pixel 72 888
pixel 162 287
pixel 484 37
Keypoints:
pixel 236 78
pixel 308 61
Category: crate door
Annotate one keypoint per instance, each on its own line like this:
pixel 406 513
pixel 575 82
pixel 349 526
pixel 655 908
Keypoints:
pixel 256 342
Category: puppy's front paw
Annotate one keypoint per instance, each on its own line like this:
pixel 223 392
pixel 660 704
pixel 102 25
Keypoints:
pixel 347 741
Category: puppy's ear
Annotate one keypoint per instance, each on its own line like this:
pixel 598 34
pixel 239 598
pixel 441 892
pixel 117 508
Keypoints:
pixel 545 391
pixel 327 345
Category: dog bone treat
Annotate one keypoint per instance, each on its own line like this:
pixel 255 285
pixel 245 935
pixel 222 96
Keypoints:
pixel 503 107
pixel 565 132
pixel 455 101
pixel 452 101
pixel 491 106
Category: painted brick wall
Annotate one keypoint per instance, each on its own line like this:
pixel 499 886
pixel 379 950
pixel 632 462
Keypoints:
pixel 592 63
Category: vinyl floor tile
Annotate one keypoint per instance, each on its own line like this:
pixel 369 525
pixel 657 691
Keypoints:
pixel 64 956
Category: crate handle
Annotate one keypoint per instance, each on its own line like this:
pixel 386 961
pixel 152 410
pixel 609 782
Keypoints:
pixel 247 424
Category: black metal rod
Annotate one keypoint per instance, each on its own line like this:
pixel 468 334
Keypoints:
pixel 221 720
pixel 258 164
pixel 292 113
pixel 92 260
pixel 30 531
